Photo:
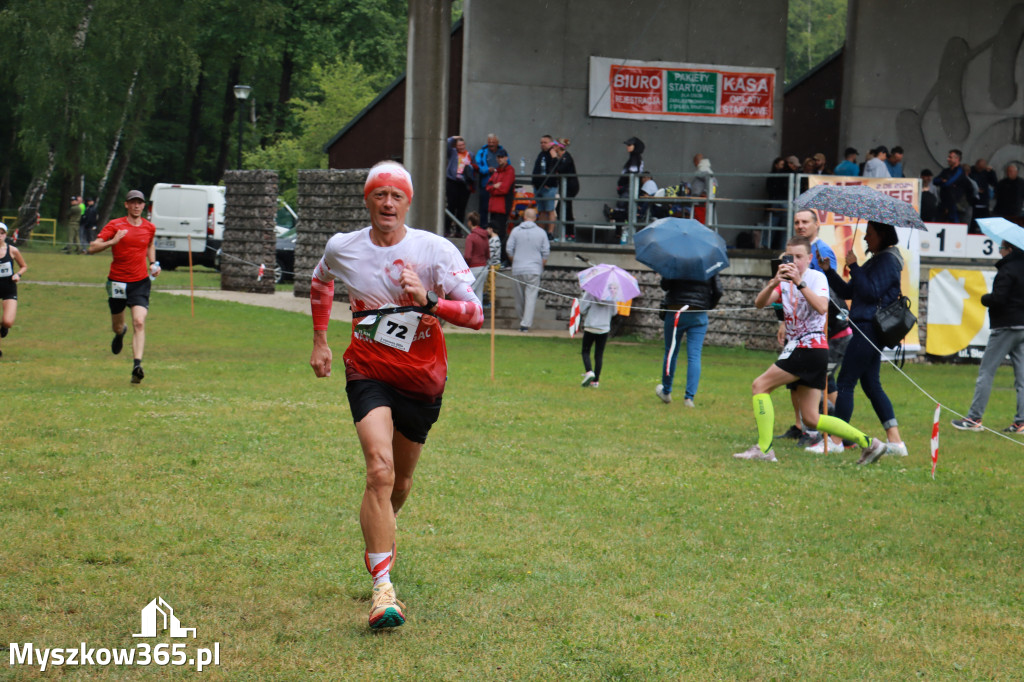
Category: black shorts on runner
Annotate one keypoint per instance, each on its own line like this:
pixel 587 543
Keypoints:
pixel 8 289
pixel 412 418
pixel 809 365
pixel 137 294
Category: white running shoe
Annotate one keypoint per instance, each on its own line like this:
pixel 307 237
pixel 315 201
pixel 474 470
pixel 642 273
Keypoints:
pixel 897 449
pixel 872 452
pixel 688 402
pixel 819 447
pixel 754 452
pixel 660 392
pixel 588 378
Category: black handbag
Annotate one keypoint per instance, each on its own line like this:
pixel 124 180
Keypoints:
pixel 893 322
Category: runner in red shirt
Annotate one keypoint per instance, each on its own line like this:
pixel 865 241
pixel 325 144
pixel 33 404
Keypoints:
pixel 401 282
pixel 130 240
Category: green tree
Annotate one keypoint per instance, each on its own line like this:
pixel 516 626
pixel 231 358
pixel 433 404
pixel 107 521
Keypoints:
pixel 815 29
pixel 118 94
pixel 335 94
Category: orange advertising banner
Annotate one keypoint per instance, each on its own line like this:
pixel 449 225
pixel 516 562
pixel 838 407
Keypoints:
pixel 845 234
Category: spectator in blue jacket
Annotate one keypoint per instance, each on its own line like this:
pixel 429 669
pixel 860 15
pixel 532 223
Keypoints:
pixel 849 165
pixel 895 162
pixel 486 160
pixel 872 285
pixel 956 193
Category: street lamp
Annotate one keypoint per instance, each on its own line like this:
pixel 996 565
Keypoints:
pixel 241 94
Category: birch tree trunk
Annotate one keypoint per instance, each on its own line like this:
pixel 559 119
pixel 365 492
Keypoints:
pixel 117 144
pixel 28 212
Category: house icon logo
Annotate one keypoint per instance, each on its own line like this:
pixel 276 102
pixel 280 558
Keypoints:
pixel 157 616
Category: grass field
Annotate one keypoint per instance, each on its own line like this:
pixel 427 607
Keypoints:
pixel 552 531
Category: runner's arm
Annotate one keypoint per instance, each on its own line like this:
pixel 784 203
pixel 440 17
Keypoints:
pixel 151 255
pixel 321 298
pixel 462 308
pixel 20 260
pixel 464 313
pixel 99 244
pixel 770 294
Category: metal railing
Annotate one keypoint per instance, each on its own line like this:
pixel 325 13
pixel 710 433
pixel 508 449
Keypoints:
pixel 36 233
pixel 744 200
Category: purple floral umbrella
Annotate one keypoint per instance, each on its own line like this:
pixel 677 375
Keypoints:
pixel 609 283
pixel 860 201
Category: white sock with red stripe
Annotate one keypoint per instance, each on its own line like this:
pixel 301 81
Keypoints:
pixel 379 565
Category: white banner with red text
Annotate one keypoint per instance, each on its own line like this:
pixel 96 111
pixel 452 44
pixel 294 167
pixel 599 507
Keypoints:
pixel 675 91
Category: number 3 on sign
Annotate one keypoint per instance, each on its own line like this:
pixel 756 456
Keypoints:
pixel 980 246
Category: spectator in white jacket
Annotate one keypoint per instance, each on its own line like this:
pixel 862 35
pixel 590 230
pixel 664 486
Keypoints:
pixel 597 324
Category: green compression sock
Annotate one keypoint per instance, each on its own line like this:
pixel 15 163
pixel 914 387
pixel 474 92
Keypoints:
pixel 837 427
pixel 764 415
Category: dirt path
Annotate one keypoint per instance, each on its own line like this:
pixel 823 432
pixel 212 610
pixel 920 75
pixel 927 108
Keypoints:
pixel 286 300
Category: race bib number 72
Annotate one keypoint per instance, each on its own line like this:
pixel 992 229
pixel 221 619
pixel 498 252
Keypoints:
pixel 396 330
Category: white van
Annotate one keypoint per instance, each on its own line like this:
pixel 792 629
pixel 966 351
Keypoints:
pixel 181 211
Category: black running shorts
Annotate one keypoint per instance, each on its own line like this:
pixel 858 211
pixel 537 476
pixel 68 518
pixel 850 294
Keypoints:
pixel 412 418
pixel 135 293
pixel 809 365
pixel 8 289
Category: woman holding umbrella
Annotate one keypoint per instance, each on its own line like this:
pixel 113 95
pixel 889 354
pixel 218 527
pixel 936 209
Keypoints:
pixel 681 294
pixel 597 324
pixel 688 256
pixel 603 285
pixel 873 285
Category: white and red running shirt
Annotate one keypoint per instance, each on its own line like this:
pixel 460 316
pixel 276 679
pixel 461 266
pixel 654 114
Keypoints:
pixel 804 325
pixel 404 350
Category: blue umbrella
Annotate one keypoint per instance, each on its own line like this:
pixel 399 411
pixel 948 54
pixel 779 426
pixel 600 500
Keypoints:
pixel 681 248
pixel 1002 230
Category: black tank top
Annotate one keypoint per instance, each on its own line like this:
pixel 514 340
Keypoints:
pixel 6 265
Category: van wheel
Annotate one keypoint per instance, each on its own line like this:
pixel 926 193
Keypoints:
pixel 278 273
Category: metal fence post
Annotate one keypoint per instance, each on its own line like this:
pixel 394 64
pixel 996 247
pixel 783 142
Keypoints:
pixel 794 184
pixel 561 206
pixel 634 186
